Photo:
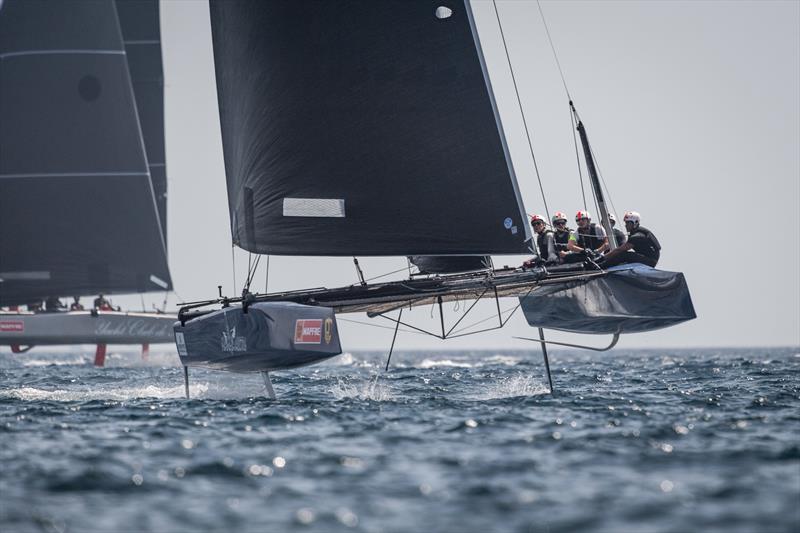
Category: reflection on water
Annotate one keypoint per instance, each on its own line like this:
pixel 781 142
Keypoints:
pixel 445 441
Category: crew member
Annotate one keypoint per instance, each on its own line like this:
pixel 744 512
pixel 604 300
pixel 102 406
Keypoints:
pixel 561 235
pixel 545 243
pixel 53 304
pixel 619 235
pixel 588 236
pixel 76 305
pixel 102 304
pixel 641 246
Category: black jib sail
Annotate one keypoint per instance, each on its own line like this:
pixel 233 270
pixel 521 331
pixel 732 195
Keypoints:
pixel 77 210
pixel 141 34
pixel 361 128
pixel 443 264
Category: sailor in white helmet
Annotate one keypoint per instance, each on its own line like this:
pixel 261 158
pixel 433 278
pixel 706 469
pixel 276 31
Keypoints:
pixel 619 236
pixel 641 246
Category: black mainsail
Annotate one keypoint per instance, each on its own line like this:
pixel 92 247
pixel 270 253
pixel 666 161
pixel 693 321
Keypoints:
pixel 141 33
pixel 77 209
pixel 361 128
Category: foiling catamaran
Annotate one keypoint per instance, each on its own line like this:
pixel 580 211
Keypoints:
pixel 370 128
pixel 82 170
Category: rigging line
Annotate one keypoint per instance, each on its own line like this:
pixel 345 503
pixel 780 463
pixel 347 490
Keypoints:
pixel 180 298
pixel 577 157
pixel 387 274
pixel 492 317
pixel 233 265
pixel 377 325
pixel 603 180
pixel 266 281
pixel 521 111
pixel 553 48
pixel 252 274
pixel 249 269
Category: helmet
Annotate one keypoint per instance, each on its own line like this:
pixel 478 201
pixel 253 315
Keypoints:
pixel 582 214
pixel 559 216
pixel 612 217
pixel 536 218
pixel 632 216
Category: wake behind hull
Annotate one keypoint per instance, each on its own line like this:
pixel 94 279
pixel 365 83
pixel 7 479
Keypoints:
pixel 85 327
pixel 269 336
pixel 628 299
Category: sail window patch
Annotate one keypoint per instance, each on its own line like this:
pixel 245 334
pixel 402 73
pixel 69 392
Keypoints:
pixel 158 281
pixel 443 12
pixel 89 88
pixel 313 207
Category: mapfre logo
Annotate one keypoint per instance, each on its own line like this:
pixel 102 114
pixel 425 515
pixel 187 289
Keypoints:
pixel 308 331
pixel 12 326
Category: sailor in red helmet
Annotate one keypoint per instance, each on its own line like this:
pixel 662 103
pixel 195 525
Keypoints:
pixel 641 246
pixel 588 237
pixel 561 234
pixel 545 244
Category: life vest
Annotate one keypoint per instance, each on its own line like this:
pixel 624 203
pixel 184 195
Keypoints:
pixel 541 244
pixel 620 236
pixel 561 238
pixel 588 238
pixel 649 246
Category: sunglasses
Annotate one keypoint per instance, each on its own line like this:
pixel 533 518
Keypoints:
pixel 560 222
pixel 538 223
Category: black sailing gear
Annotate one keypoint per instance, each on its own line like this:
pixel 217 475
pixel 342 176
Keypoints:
pixel 546 245
pixel 644 242
pixel 561 239
pixel 591 237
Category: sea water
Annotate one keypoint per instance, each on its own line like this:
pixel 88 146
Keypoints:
pixel 657 440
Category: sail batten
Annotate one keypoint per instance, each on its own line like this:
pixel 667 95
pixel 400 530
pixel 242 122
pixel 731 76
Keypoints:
pixel 361 128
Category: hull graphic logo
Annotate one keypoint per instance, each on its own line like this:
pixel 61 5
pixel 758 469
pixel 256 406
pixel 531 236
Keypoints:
pixel 232 343
pixel 308 331
pixel 12 326
pixel 328 330
pixel 180 342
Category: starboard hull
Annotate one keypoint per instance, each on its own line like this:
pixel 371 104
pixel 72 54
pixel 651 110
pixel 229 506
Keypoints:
pixel 85 327
pixel 629 299
pixel 268 336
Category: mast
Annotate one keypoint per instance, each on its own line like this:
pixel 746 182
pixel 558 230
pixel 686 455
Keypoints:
pixel 594 179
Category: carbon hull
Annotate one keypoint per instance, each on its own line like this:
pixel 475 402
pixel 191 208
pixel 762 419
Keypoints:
pixel 268 336
pixel 85 327
pixel 627 299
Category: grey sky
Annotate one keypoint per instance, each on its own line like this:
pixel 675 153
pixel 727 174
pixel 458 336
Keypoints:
pixel 693 110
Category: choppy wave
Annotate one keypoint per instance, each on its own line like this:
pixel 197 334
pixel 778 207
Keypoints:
pixel 364 389
pixel 444 441
pixel 513 387
pixel 29 394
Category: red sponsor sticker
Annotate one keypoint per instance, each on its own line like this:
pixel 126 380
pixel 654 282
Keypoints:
pixel 12 326
pixel 308 331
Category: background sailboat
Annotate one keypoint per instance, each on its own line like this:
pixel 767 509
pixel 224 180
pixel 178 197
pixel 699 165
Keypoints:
pixel 78 211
